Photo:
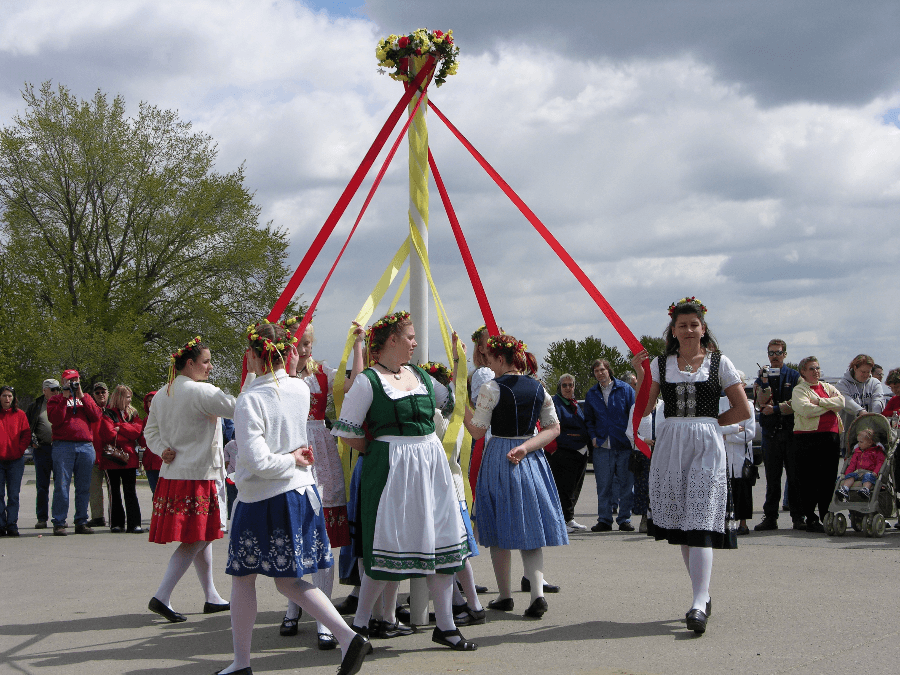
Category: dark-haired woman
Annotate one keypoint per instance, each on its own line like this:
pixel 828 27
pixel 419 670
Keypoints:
pixel 278 527
pixel 516 502
pixel 411 524
pixel 689 494
pixel 15 437
pixel 121 426
pixel 183 428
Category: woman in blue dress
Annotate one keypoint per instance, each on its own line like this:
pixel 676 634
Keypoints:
pixel 516 503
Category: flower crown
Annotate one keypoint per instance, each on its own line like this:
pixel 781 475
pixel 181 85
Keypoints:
pixel 389 320
pixel 175 356
pixel 269 346
pixel 393 52
pixel 503 342
pixel 438 371
pixel 687 301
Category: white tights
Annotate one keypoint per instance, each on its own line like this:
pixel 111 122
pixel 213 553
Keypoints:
pixel 303 593
pixel 699 563
pixel 324 581
pixel 200 554
pixel 532 561
pixel 467 578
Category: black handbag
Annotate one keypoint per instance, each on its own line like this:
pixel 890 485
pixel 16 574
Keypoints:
pixel 749 472
pixel 114 453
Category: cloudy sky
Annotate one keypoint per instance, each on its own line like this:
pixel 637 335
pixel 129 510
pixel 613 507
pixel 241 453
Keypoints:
pixel 742 152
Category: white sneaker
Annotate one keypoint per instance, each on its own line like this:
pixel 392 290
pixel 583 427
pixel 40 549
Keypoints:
pixel 574 526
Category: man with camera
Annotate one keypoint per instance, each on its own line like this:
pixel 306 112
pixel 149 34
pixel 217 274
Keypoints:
pixel 772 391
pixel 72 413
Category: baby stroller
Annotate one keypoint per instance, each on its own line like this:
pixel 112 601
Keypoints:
pixel 866 515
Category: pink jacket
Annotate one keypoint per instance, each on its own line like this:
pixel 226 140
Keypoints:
pixel 869 459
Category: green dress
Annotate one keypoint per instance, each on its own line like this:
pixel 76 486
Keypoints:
pixel 411 524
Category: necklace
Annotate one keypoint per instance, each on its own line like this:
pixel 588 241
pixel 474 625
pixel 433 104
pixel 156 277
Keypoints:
pixel 688 368
pixel 396 373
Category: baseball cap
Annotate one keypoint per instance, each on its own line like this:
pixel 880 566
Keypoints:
pixel 50 383
pixel 100 385
pixel 70 375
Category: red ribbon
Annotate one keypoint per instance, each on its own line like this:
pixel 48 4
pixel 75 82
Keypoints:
pixel 474 278
pixel 344 200
pixel 624 332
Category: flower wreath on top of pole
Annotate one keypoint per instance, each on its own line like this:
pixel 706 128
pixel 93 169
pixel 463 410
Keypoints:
pixel 394 52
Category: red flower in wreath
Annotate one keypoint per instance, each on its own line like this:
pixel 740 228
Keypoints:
pixel 403 42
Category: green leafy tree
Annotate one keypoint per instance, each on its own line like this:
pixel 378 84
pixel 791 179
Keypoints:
pixel 575 357
pixel 120 242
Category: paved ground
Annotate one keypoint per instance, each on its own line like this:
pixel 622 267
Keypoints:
pixel 785 602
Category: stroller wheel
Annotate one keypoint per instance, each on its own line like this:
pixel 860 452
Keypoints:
pixel 840 524
pixel 856 521
pixel 878 525
pixel 867 526
pixel 828 522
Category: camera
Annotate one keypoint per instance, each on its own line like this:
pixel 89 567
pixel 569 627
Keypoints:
pixel 773 372
pixel 73 387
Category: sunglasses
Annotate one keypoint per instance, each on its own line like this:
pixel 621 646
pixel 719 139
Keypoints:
pixel 772 352
pixel 54 389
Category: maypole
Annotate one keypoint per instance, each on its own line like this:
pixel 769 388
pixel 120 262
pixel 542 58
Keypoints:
pixel 406 55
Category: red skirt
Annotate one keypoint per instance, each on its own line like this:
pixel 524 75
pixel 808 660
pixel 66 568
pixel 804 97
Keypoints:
pixel 185 511
pixel 337 525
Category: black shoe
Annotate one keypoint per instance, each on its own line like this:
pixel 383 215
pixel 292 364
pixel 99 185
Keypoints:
pixel 212 608
pixel 97 522
pixel 815 527
pixel 696 621
pixel 743 529
pixel 117 530
pixel 766 524
pixel 504 605
pixel 396 629
pixel 59 531
pixel 601 527
pixel 708 609
pixel 326 641
pixel 463 615
pixel 288 626
pixel 83 529
pixel 537 608
pixel 364 631
pixel 440 637
pixel 480 589
pixel 136 530
pixel 348 606
pixel 358 650
pixel 12 530
pixel 170 614
pixel 243 671
pixel 548 588
pixel 626 527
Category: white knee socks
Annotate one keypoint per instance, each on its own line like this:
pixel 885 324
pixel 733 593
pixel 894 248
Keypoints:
pixel 314 602
pixel 700 568
pixel 178 564
pixel 500 559
pixel 324 581
pixel 533 561
pixel 203 563
pixel 243 616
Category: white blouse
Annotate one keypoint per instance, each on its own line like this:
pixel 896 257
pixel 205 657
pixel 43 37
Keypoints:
pixel 313 382
pixel 489 397
pixel 359 400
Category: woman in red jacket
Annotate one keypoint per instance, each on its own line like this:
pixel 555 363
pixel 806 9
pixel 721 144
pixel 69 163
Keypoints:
pixel 151 462
pixel 15 436
pixel 121 426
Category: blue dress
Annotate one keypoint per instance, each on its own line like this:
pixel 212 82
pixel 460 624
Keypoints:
pixel 516 505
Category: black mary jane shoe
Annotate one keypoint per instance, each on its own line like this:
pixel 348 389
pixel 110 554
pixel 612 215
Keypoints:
pixel 288 627
pixel 212 608
pixel 537 608
pixel 348 606
pixel 463 615
pixel 708 611
pixel 548 588
pixel 243 671
pixel 502 605
pixel 440 637
pixel 165 612
pixel 396 629
pixel 357 651
pixel 364 630
pixel 326 641
pixel 696 621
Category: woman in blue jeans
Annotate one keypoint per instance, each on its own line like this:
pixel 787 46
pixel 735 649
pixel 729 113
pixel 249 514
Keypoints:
pixel 15 436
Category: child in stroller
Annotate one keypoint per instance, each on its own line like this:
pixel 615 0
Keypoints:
pixel 865 463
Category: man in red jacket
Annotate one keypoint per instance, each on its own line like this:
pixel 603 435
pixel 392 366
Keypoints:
pixel 71 413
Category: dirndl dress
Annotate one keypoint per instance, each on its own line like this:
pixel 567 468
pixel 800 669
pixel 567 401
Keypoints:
pixel 281 536
pixel 690 495
pixel 411 523
pixel 185 511
pixel 516 505
pixel 327 469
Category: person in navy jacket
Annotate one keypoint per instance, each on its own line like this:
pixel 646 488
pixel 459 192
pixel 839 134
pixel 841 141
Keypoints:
pixel 569 462
pixel 606 409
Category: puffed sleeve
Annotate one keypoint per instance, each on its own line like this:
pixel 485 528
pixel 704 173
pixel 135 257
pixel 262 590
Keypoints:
pixel 548 414
pixel 443 398
pixel 488 398
pixel 728 374
pixel 329 373
pixel 353 413
pixel 654 369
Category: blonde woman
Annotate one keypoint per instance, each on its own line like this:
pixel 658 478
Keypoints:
pixel 121 426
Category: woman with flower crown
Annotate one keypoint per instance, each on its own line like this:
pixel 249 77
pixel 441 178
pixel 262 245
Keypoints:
pixel 183 428
pixel 327 470
pixel 278 527
pixel 689 493
pixel 516 502
pixel 411 524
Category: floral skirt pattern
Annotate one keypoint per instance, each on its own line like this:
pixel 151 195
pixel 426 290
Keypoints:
pixel 278 537
pixel 185 511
